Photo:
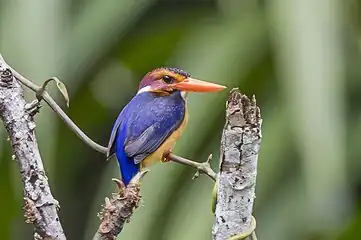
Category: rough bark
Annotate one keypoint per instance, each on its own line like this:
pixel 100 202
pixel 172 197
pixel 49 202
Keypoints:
pixel 39 204
pixel 118 210
pixel 240 145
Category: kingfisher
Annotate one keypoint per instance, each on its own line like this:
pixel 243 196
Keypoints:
pixel 148 127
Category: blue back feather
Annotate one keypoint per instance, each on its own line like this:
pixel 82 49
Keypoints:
pixel 126 164
pixel 142 126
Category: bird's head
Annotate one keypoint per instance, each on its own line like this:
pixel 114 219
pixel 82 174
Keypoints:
pixel 166 80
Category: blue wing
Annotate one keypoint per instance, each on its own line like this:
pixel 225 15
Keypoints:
pixel 142 126
pixel 113 134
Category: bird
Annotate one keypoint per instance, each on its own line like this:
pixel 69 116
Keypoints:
pixel 148 127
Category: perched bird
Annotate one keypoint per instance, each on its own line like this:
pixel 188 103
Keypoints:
pixel 150 124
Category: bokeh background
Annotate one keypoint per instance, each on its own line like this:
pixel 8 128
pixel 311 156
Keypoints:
pixel 301 58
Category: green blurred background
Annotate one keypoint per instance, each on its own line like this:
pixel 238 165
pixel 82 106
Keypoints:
pixel 301 58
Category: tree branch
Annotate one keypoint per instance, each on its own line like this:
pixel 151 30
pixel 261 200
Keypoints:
pixel 118 210
pixel 39 204
pixel 240 145
pixel 204 167
pixel 42 94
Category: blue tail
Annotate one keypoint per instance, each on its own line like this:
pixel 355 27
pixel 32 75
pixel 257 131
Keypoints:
pixel 127 166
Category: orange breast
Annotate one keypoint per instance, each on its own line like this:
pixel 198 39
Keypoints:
pixel 168 144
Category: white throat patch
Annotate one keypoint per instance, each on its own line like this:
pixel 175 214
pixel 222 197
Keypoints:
pixel 144 89
pixel 148 89
pixel 184 95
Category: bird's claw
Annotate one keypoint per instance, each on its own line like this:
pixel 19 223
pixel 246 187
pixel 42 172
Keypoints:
pixel 165 157
pixel 120 184
pixel 33 107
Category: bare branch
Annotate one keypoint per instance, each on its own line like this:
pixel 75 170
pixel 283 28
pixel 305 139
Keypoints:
pixel 39 204
pixel 41 93
pixel 204 167
pixel 240 145
pixel 118 210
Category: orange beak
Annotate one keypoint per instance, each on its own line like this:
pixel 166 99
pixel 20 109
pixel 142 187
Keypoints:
pixel 194 85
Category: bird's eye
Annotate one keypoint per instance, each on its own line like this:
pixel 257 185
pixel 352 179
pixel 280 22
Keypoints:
pixel 168 79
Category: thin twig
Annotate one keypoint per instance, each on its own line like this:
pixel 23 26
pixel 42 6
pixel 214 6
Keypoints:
pixel 201 167
pixel 39 204
pixel 50 101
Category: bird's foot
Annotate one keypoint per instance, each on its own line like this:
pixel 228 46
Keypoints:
pixel 165 157
pixel 120 185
